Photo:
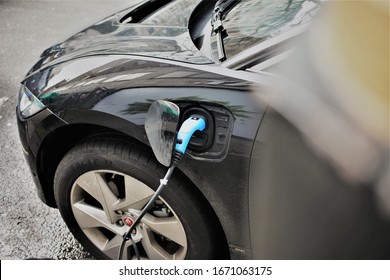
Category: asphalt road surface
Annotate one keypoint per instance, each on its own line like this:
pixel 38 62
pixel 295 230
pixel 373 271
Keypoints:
pixel 28 228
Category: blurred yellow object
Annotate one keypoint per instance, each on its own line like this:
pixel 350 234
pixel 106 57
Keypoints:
pixel 335 90
pixel 350 49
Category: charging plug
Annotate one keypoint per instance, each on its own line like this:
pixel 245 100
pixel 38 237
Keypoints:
pixel 188 128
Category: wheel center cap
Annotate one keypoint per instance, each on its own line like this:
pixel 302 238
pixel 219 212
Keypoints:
pixel 128 221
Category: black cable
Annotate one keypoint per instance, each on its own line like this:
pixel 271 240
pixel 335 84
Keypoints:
pixel 121 248
pixel 163 183
pixel 123 245
pixel 135 248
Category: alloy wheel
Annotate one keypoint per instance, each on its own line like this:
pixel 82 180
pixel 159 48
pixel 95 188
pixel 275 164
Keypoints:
pixel 106 202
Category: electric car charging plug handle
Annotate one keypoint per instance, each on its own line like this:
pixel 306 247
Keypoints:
pixel 184 135
pixel 186 131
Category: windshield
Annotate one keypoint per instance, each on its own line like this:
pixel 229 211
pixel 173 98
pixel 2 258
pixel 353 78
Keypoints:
pixel 253 21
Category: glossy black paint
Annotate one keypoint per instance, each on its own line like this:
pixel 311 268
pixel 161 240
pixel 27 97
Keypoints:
pixel 164 36
pixel 109 100
pixel 104 79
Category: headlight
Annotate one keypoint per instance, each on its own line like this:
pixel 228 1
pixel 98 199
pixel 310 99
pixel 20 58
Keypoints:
pixel 28 103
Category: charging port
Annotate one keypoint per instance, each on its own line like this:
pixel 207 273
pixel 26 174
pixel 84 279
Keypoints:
pixel 201 140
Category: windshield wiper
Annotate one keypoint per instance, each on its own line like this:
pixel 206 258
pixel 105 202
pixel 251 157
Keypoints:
pixel 221 9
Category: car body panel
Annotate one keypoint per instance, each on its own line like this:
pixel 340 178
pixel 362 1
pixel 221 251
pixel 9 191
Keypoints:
pixel 116 92
pixel 157 38
pixel 108 75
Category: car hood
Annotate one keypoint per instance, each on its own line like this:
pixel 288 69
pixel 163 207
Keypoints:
pixel 110 36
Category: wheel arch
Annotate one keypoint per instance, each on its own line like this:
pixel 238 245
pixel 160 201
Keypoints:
pixel 54 147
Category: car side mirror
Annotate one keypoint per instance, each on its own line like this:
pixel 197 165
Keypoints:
pixel 161 125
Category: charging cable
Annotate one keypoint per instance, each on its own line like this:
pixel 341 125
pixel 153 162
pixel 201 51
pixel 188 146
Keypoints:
pixel 188 128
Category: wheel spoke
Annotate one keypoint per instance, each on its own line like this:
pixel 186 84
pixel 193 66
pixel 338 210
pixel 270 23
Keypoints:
pixel 152 248
pixel 112 247
pixel 169 227
pixel 88 183
pixel 109 199
pixel 94 184
pixel 137 194
pixel 89 216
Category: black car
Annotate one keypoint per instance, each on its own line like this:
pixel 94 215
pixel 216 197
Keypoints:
pixel 81 115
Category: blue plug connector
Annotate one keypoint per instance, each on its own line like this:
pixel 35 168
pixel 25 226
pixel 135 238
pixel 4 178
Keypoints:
pixel 186 131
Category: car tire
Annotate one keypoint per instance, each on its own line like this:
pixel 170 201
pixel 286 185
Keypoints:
pixel 101 182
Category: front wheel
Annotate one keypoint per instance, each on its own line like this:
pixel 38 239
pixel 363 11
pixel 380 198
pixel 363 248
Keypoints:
pixel 102 185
